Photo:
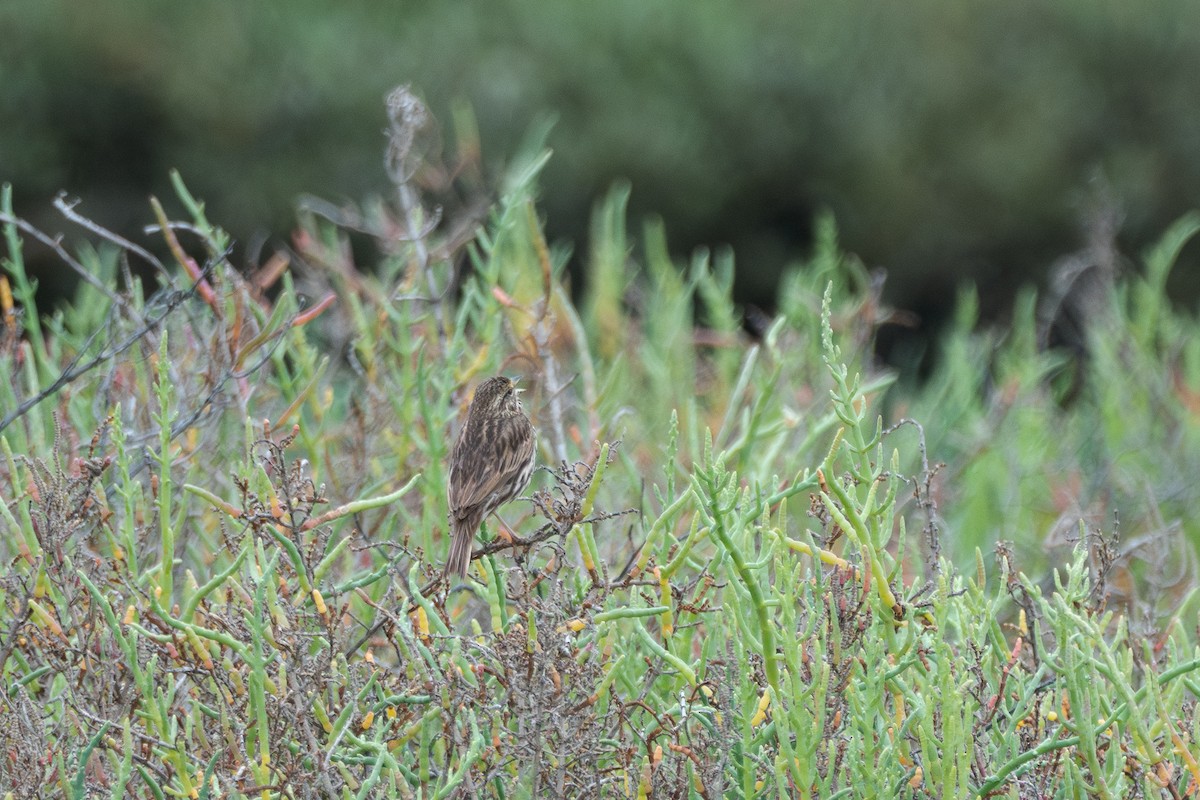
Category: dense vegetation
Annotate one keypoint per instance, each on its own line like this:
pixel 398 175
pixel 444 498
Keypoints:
pixel 224 516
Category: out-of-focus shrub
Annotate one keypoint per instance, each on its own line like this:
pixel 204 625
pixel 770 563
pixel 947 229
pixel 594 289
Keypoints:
pixel 951 140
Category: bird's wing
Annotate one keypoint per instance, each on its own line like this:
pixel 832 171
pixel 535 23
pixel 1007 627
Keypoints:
pixel 501 450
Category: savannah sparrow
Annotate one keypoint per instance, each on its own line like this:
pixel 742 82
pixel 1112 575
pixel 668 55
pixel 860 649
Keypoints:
pixel 491 463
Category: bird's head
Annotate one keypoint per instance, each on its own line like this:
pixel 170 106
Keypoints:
pixel 497 396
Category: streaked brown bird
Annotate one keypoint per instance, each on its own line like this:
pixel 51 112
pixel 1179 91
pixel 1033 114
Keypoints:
pixel 491 464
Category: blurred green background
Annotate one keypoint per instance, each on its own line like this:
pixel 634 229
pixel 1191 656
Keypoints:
pixel 952 140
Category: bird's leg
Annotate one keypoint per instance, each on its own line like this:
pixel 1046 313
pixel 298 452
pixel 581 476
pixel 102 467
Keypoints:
pixel 505 531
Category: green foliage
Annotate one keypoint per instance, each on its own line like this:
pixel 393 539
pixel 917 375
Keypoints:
pixel 1029 454
pixel 224 518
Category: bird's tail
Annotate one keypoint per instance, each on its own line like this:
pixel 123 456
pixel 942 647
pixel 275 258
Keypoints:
pixel 460 550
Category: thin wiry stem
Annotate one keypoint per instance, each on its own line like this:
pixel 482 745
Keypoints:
pixel 67 208
pixel 554 388
pixel 407 116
